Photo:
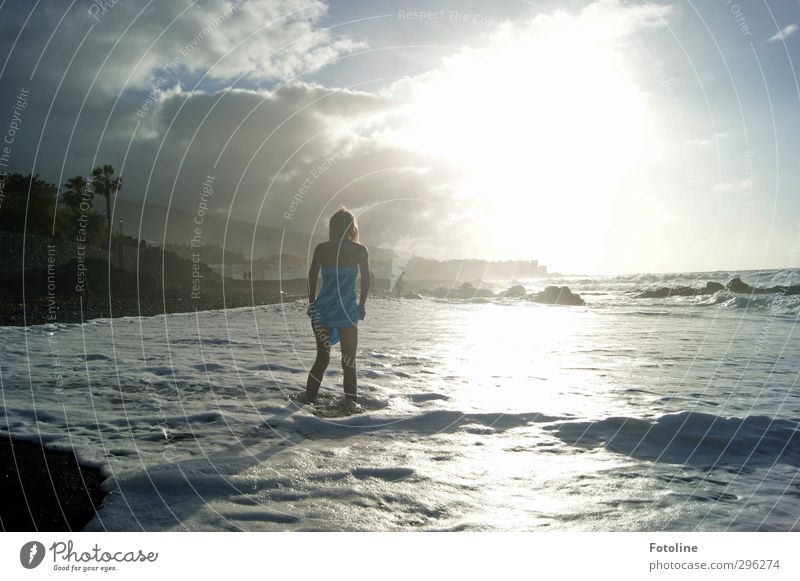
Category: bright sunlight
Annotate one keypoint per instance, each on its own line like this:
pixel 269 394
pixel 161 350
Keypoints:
pixel 544 125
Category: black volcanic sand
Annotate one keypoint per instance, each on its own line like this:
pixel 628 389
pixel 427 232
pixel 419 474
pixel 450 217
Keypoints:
pixel 66 503
pixel 36 311
pixel 36 297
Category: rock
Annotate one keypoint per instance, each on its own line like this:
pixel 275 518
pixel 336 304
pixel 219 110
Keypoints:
pixel 783 290
pixel 680 291
pixel 515 291
pixel 558 295
pixel 737 286
pixel 666 291
pixel 465 291
pixel 468 291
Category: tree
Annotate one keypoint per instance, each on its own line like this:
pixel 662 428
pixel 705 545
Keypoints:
pixel 77 189
pixel 28 205
pixel 106 184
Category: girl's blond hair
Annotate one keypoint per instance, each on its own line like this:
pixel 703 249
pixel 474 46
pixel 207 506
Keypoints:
pixel 343 225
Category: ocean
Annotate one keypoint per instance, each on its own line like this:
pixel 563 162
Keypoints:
pixel 626 414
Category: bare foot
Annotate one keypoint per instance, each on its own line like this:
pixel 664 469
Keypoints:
pixel 303 399
pixel 350 406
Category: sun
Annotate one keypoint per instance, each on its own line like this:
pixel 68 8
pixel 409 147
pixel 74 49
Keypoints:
pixel 543 126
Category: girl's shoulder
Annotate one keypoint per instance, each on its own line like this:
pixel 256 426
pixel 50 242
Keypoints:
pixel 325 248
pixel 360 251
pixel 348 253
pixel 346 246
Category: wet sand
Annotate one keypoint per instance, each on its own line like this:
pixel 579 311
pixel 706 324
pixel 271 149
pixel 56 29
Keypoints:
pixel 45 490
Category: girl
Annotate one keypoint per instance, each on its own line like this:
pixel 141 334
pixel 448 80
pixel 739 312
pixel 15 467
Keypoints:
pixel 335 313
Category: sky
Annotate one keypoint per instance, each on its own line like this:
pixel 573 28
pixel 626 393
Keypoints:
pixel 596 137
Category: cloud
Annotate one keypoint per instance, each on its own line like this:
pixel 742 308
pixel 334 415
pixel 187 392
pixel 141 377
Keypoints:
pixel 128 45
pixel 123 89
pixel 784 34
pixel 300 142
pixel 132 96
pixel 98 82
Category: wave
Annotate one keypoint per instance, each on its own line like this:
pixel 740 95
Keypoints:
pixel 429 422
pixel 774 303
pixel 670 289
pixel 649 281
pixel 691 438
pixel 768 304
pixel 771 304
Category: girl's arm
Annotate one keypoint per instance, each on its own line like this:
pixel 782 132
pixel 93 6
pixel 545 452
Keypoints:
pixel 313 273
pixel 366 278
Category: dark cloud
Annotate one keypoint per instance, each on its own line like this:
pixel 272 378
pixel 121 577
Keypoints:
pixel 498 150
pixel 121 87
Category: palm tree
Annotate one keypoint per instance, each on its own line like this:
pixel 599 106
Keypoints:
pixel 77 189
pixel 107 185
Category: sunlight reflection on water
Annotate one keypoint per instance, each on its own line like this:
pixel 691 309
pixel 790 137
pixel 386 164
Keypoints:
pixel 496 416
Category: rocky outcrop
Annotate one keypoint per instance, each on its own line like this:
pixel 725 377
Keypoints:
pixel 465 291
pixel 558 295
pixel 736 285
pixel 681 291
pixel 515 291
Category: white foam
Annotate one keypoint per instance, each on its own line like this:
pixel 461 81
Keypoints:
pixel 190 415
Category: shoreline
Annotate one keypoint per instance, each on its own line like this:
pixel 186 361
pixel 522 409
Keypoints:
pixel 73 310
pixel 68 311
pixel 45 490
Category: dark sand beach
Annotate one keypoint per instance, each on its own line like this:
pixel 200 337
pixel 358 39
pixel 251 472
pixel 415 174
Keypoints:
pixel 38 311
pixel 45 490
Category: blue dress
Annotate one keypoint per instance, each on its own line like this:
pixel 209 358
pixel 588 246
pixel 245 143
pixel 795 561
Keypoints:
pixel 336 305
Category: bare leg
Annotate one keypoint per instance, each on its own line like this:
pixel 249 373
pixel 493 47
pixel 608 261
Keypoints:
pixel 349 339
pixel 322 336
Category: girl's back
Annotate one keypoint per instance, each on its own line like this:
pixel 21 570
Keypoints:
pixel 344 253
